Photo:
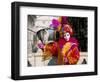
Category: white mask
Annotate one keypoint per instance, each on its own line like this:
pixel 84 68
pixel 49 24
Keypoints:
pixel 67 36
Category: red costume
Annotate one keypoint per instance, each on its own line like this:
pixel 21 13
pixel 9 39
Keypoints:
pixel 69 51
pixel 66 48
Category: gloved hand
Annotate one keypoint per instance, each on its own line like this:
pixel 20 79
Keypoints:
pixel 41 45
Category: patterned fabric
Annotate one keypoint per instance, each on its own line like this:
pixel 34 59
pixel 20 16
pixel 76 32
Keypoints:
pixel 71 53
pixel 68 51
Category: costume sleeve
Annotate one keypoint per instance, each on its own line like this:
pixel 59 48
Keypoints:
pixel 73 55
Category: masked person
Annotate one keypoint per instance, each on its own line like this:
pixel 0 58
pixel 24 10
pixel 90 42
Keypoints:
pixel 68 47
pixel 65 48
